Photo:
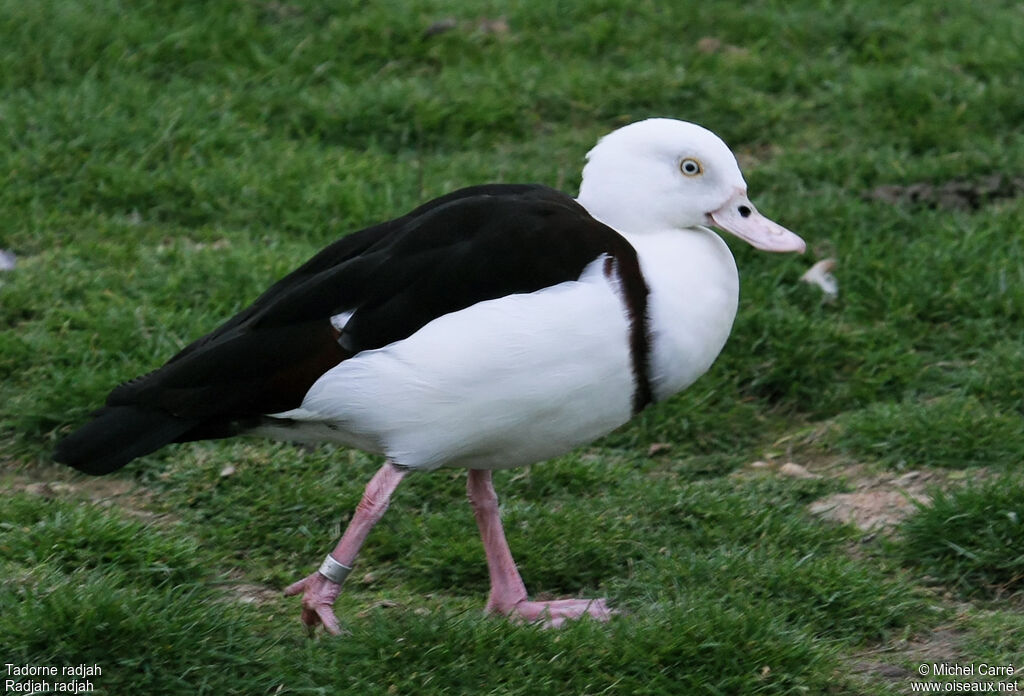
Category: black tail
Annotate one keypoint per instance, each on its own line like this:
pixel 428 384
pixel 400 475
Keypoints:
pixel 117 435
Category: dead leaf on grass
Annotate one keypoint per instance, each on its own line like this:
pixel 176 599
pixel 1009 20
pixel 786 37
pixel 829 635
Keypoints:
pixel 494 26
pixel 820 275
pixel 278 11
pixel 657 448
pixel 441 26
pixel 497 25
pixel 711 44
pixel 380 604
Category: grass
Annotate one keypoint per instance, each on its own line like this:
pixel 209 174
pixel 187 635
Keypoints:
pixel 162 162
pixel 968 538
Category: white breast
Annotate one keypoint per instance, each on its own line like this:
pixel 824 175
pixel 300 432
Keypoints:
pixel 694 291
pixel 500 384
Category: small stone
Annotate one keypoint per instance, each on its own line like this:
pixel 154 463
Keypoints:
pixel 43 490
pixel 7 260
pixel 229 470
pixel 760 464
pixel 907 478
pixel 794 470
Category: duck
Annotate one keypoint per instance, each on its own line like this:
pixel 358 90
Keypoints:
pixel 496 326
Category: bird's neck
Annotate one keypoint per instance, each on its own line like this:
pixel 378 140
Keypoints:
pixel 625 219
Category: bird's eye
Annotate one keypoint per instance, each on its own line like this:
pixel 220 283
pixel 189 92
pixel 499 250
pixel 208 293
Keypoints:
pixel 691 167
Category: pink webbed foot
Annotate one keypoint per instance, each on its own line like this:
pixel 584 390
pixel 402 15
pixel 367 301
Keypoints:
pixel 318 595
pixel 554 613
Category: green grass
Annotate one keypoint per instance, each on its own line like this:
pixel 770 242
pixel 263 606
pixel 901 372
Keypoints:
pixel 951 432
pixel 163 162
pixel 969 538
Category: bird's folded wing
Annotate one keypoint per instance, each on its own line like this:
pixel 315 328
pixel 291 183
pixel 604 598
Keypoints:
pixel 473 245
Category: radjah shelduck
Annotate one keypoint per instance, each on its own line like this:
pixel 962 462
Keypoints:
pixel 490 328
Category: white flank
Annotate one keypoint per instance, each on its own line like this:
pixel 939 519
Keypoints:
pixel 500 384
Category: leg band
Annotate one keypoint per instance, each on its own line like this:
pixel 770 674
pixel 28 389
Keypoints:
pixel 334 571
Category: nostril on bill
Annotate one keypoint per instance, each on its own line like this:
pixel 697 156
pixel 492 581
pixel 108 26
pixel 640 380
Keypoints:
pixel 744 211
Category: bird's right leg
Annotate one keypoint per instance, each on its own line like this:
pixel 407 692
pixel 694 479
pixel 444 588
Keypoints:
pixel 318 590
pixel 508 593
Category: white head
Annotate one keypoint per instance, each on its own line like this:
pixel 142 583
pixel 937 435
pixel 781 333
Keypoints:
pixel 663 174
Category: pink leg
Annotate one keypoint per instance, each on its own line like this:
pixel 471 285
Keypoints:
pixel 508 593
pixel 319 593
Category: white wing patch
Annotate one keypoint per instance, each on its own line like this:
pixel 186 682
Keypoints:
pixel 338 321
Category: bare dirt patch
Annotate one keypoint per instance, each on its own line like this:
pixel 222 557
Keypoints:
pixel 897 663
pixel 879 502
pixel 957 194
pixel 51 482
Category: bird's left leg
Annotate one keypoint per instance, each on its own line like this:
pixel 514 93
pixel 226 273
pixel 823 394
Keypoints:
pixel 319 590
